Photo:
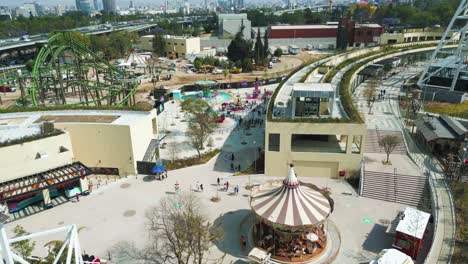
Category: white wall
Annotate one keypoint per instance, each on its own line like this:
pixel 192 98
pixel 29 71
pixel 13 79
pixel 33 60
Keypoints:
pixel 20 160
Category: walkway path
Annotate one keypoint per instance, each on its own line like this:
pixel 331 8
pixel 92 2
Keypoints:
pixel 386 115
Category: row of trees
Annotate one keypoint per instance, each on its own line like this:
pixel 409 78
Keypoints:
pixel 45 24
pixel 73 19
pixel 115 45
pixel 242 51
pixel 421 13
pixel 265 17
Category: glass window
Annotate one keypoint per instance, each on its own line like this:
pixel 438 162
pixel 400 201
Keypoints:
pixel 274 142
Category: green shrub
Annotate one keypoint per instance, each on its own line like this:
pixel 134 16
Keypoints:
pixel 183 163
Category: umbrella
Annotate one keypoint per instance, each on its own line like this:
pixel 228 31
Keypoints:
pixel 157 169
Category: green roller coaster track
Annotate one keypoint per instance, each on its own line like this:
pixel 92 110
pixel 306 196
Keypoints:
pixel 66 72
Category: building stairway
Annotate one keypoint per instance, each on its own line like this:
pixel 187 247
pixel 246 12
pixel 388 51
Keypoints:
pixel 372 141
pixel 399 188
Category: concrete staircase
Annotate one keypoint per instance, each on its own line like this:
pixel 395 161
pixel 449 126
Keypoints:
pixel 372 141
pixel 399 188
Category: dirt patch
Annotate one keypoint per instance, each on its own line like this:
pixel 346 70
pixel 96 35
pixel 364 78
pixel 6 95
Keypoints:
pixel 125 185
pixel 129 213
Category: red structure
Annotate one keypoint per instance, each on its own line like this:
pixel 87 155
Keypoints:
pixel 352 34
pixel 302 31
pixel 410 231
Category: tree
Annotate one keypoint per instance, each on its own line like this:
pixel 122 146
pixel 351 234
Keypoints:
pixel 201 122
pixel 389 143
pixel 278 52
pixel 369 93
pixel 173 150
pixel 25 247
pixel 239 48
pixel 387 67
pixel 197 63
pixel 178 233
pixel 266 49
pixel 158 43
pixel 258 49
pixel 207 28
pixel 247 65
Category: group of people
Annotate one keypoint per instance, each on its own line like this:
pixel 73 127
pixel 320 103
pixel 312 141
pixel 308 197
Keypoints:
pixel 162 176
pixel 381 95
pixel 226 186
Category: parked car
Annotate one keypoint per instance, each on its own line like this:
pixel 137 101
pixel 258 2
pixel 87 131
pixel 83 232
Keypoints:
pixel 6 89
pixel 217 71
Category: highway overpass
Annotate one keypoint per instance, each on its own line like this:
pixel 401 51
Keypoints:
pixel 6 46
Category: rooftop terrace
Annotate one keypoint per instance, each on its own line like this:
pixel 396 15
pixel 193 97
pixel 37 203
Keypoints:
pixel 14 126
pixel 293 88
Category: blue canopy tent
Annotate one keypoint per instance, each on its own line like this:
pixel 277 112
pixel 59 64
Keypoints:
pixel 158 169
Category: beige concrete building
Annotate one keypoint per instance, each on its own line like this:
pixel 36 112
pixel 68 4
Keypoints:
pixel 98 139
pixel 179 46
pixel 19 160
pixel 411 35
pixel 297 133
pixel 46 156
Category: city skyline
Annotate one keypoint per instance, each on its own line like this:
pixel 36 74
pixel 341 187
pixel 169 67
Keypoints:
pixel 121 3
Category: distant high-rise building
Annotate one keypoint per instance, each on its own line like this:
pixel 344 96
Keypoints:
pixel 5 13
pixel 84 6
pixel 59 10
pixel 240 4
pixel 109 6
pixel 98 5
pixel 28 10
pixel 131 4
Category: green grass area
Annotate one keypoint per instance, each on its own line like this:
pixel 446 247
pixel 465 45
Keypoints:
pixel 183 163
pixel 329 77
pixel 344 89
pixel 460 193
pixel 458 110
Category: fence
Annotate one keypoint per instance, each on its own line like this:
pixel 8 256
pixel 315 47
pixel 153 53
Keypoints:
pixel 145 167
pixel 234 85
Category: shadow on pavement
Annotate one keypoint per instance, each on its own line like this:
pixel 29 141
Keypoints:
pixel 377 239
pixel 240 142
pixel 149 178
pixel 230 224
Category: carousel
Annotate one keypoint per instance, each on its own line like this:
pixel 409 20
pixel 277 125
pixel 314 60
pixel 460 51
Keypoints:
pixel 291 219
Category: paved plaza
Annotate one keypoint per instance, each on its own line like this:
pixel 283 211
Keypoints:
pixel 116 213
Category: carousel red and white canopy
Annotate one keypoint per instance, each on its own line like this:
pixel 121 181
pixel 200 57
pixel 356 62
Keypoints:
pixel 291 204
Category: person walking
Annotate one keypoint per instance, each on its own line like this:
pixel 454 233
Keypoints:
pixel 77 196
pixel 224 187
pixel 232 156
pixel 201 187
pixel 227 186
pixel 218 181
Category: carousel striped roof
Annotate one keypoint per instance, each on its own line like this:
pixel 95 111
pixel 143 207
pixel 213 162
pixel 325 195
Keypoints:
pixel 290 204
